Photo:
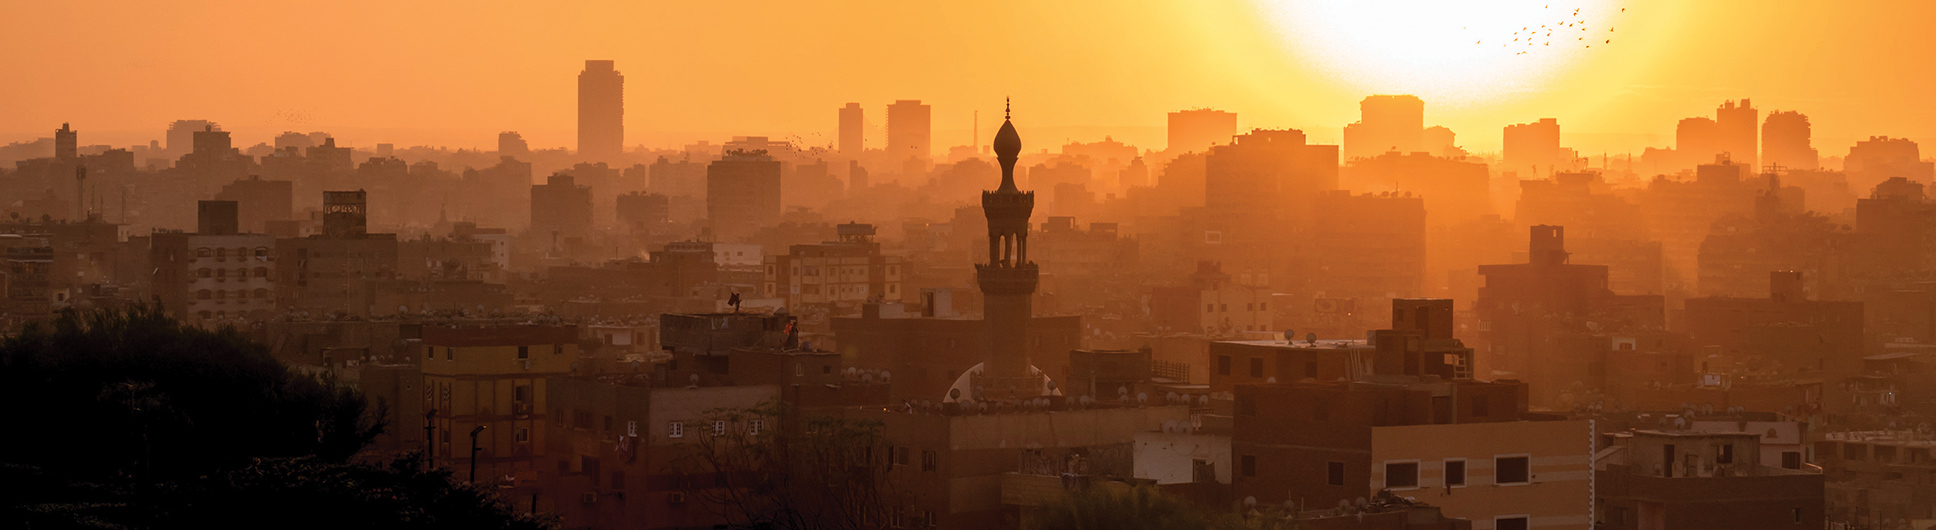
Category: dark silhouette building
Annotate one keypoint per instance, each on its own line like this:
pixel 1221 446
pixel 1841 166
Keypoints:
pixel 1785 141
pixel 742 194
pixel 1386 124
pixel 853 129
pixel 1198 129
pixel 601 112
pixel 909 131
pixel 562 207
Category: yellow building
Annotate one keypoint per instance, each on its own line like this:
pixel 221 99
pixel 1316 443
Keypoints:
pixel 493 377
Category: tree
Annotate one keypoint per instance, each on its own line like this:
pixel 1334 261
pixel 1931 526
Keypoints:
pixel 134 391
pixel 129 419
pixel 790 472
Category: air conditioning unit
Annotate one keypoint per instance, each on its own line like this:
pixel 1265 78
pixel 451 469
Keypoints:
pixel 589 497
pixel 677 497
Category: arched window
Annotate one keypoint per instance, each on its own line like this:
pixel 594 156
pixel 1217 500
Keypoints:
pixel 262 293
pixel 221 273
pixel 241 274
pixel 261 252
pixel 262 272
pixel 220 295
pixel 203 252
pixel 203 273
pixel 203 295
pixel 221 253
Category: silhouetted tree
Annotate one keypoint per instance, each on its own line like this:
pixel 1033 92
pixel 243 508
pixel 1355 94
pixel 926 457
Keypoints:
pixel 130 419
pixel 1139 508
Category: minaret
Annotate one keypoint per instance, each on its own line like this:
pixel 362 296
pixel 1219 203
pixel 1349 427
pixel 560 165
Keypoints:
pixel 1008 280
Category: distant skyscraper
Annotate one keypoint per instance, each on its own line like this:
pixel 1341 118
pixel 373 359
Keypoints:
pixel 511 144
pixel 909 130
pixel 1386 123
pixel 601 112
pixel 1197 130
pixel 1785 140
pixel 1529 146
pixel 181 134
pixel 851 130
pixel 1739 127
pixel 67 143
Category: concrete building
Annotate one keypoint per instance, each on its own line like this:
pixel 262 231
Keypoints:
pixel 847 272
pixel 1785 141
pixel 853 130
pixel 1196 130
pixel 339 271
pixel 217 273
pixel 1386 124
pixel 742 194
pixel 601 112
pixel 1786 328
pixel 909 132
pixel 1368 247
pixel 260 201
pixel 561 208
pixel 1533 319
pixel 1700 479
pixel 1213 304
pixel 1535 148
pixel 491 382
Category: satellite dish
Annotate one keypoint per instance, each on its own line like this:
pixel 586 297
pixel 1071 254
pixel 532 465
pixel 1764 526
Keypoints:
pixel 1271 379
pixel 1142 397
pixel 1311 338
pixel 954 394
pixel 1290 335
pixel 1051 385
pixel 1169 426
pixel 1250 502
pixel 886 376
pixel 694 378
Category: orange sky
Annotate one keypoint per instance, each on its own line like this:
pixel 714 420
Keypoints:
pixel 456 73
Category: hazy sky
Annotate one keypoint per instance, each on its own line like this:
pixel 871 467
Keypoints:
pixel 456 73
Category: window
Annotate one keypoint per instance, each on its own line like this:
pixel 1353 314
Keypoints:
pixel 930 461
pixel 1798 515
pixel 676 429
pixel 557 349
pixel 432 351
pixel 1256 367
pixel 203 294
pixel 632 429
pixel 1334 473
pixel 524 352
pixel 618 480
pixel 899 518
pixel 204 273
pixel 1263 306
pixel 524 435
pixel 450 353
pixel 1401 475
pixel 719 428
pixel 1223 365
pixel 1209 308
pixel 1725 455
pixel 1249 464
pixel 1223 308
pixel 1509 470
pixel 900 455
pixel 262 272
pixel 1454 473
pixel 1516 522
pixel 1791 460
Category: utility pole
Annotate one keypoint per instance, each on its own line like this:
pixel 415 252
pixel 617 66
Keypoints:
pixel 430 439
pixel 474 450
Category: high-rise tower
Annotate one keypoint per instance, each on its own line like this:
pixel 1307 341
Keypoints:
pixel 851 128
pixel 1007 282
pixel 909 132
pixel 601 112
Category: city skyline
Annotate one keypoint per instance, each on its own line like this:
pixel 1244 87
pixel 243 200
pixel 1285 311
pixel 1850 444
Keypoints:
pixel 1614 99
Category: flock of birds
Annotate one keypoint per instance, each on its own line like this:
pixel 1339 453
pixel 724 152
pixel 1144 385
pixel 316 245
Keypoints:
pixel 1543 34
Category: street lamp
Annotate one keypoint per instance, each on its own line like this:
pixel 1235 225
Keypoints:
pixel 474 450
pixel 430 438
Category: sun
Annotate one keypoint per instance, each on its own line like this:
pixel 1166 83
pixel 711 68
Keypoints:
pixel 1449 52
